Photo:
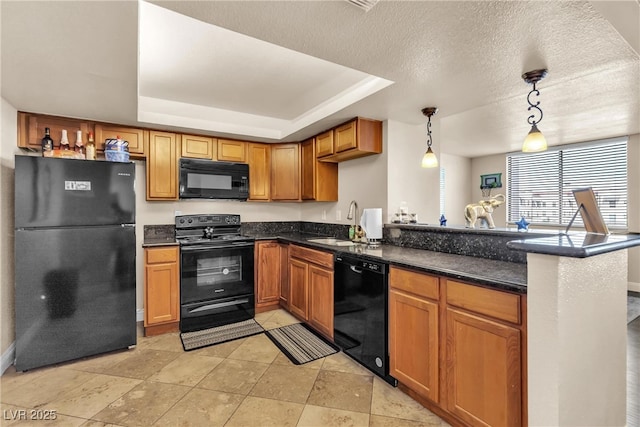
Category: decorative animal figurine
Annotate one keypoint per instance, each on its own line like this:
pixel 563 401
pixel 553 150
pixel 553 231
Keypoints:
pixel 482 210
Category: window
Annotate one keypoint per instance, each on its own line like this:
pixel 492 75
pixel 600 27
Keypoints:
pixel 540 185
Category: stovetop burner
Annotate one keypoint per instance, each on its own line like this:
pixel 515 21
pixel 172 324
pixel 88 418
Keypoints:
pixel 209 229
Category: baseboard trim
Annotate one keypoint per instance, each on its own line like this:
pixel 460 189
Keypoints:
pixel 8 358
pixel 633 286
pixel 139 314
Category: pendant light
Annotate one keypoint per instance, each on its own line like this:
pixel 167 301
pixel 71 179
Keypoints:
pixel 429 160
pixel 535 140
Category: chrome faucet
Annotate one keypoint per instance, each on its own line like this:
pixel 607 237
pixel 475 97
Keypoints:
pixel 353 208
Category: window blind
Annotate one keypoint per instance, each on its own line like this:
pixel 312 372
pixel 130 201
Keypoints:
pixel 541 184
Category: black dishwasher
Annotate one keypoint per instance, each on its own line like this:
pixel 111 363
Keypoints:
pixel 360 313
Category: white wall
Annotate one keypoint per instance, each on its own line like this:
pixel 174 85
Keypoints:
pixel 8 148
pixel 457 191
pixel 490 165
pixel 407 181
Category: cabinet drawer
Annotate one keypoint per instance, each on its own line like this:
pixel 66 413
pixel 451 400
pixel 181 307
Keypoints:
pixel 158 255
pixel 323 259
pixel 420 284
pixel 500 305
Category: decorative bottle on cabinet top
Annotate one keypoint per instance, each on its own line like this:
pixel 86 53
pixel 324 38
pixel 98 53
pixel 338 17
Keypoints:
pixel 64 141
pixel 47 144
pixel 91 148
pixel 79 146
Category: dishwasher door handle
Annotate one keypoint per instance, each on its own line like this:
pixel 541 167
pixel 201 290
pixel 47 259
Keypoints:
pixel 355 269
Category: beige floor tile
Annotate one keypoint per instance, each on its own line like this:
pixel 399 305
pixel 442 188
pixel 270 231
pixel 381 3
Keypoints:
pixel 93 396
pixel 281 359
pixel 340 362
pixel 143 405
pixel 391 402
pixel 257 348
pixel 46 387
pixel 55 421
pixel 12 380
pixel 234 376
pixel 271 413
pixel 339 390
pixel 380 421
pixel 165 342
pixel 94 423
pixel 12 414
pixel 202 408
pixel 289 383
pixel 219 350
pixel 188 369
pixel 261 318
pixel 100 363
pixel 142 364
pixel 316 416
pixel 278 319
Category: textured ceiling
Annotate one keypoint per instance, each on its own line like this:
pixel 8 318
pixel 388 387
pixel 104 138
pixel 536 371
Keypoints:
pixel 464 57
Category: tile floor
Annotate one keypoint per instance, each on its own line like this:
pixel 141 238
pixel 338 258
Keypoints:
pixel 246 382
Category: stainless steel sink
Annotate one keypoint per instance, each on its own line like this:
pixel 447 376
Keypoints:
pixel 332 241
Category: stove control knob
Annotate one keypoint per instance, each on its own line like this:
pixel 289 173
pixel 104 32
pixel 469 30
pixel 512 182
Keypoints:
pixel 181 220
pixel 189 220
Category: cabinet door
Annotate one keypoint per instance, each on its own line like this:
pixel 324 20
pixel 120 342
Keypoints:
pixel 284 272
pixel 308 160
pixel 232 151
pixel 198 147
pixel 259 159
pixel 413 343
pixel 161 293
pixel 299 288
pixel 321 300
pixel 483 371
pixel 325 144
pixel 135 137
pixel 285 172
pixel 345 137
pixel 268 272
pixel 31 129
pixel 162 167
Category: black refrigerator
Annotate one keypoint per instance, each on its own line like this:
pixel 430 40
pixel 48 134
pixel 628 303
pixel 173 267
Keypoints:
pixel 75 278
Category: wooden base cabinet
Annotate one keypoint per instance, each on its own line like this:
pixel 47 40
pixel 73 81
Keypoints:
pixel 311 288
pixel 268 275
pixel 161 290
pixel 483 370
pixel 414 331
pixel 459 349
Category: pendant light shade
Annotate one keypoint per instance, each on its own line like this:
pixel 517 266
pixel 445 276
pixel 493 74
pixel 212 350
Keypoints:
pixel 429 160
pixel 535 140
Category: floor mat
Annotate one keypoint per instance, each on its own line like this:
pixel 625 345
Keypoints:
pixel 300 344
pixel 219 334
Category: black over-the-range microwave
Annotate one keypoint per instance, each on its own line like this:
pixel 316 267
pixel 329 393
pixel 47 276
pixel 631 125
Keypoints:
pixel 206 179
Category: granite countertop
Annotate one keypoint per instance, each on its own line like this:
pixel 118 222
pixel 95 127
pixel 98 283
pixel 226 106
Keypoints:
pixel 509 276
pixel 149 242
pixel 577 245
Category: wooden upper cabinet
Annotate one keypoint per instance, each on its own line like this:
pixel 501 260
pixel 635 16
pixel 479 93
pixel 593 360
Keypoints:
pixel 31 130
pixel 285 172
pixel 199 147
pixel 324 143
pixel 345 137
pixel 357 138
pixel 259 159
pixel 136 138
pixel 319 179
pixel 232 151
pixel 162 166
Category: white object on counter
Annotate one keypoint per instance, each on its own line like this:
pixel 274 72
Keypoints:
pixel 371 222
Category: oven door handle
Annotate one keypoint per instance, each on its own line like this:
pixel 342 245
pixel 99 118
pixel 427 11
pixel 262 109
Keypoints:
pixel 196 248
pixel 219 305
